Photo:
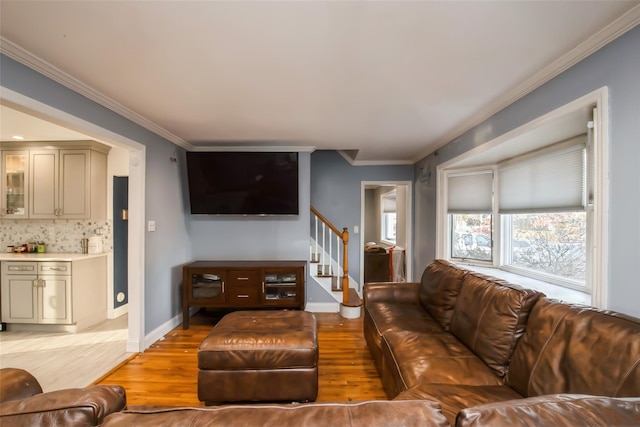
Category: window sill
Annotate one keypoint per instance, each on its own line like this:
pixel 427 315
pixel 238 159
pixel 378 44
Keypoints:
pixel 550 290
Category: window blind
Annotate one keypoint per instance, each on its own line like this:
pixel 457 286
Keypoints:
pixel 550 182
pixel 470 192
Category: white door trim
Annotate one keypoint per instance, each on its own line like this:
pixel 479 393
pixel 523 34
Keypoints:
pixel 408 220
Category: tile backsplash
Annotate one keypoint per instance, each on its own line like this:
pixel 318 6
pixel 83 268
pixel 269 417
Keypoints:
pixel 65 237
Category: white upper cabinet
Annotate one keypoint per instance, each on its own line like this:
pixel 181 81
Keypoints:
pixel 14 187
pixel 60 180
pixel 68 184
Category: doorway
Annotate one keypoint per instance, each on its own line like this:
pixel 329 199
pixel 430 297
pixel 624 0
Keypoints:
pixel 120 241
pixel 387 231
pixel 135 157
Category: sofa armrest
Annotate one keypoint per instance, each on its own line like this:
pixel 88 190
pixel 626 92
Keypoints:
pixel 555 410
pixel 17 384
pixel 403 292
pixel 71 407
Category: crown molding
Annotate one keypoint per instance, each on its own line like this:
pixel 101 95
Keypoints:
pixel 13 51
pixel 603 37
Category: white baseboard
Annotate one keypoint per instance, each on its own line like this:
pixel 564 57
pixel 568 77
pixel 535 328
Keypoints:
pixel 323 307
pixel 162 330
pixel 114 313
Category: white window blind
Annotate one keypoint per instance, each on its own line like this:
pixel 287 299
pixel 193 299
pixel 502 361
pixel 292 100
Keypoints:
pixel 551 181
pixel 389 202
pixel 470 192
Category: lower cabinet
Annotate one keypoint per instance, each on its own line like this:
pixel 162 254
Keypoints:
pixel 60 293
pixel 243 284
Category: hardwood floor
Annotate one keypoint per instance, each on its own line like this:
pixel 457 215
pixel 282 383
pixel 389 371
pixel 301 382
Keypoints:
pixel 166 373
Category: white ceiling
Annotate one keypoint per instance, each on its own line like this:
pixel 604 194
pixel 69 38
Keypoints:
pixel 391 80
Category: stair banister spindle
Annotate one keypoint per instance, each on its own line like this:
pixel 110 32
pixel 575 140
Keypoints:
pixel 316 239
pixel 330 256
pixel 324 227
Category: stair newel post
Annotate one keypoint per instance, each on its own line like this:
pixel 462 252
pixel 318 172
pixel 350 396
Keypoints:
pixel 345 265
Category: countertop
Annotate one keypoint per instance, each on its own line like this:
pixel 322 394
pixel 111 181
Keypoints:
pixel 47 256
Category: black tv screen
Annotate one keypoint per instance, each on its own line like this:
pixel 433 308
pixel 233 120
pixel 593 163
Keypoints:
pixel 243 183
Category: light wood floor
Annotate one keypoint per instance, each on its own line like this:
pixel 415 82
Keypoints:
pixel 62 360
pixel 166 373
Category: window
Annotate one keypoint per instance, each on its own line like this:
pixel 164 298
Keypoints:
pixel 540 210
pixel 471 237
pixel 469 206
pixel 550 244
pixel 548 215
pixel 388 223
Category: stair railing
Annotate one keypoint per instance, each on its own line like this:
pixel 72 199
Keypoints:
pixel 341 236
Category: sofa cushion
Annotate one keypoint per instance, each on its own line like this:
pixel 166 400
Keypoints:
pixel 555 410
pixel 439 290
pixel 70 407
pixel 453 398
pixel 357 414
pixel 17 384
pixel 577 349
pixel 422 358
pixel 490 316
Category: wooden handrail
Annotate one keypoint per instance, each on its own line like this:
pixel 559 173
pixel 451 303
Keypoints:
pixel 344 236
pixel 326 221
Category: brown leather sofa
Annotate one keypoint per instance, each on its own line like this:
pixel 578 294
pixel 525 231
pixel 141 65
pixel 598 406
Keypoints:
pixel 493 353
pixel 458 348
pixel 22 402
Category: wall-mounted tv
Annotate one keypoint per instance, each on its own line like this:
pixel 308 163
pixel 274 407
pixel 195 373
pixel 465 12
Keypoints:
pixel 243 183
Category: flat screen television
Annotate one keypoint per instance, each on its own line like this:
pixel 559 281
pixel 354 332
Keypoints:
pixel 243 183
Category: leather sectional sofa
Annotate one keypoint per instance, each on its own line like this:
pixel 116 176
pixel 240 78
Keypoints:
pixel 458 348
pixel 493 353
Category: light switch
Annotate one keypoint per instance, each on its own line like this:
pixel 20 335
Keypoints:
pixel 151 226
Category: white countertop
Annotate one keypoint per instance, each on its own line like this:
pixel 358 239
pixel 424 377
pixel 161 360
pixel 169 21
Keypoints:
pixel 47 256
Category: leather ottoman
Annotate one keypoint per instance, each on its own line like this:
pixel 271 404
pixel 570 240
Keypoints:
pixel 260 356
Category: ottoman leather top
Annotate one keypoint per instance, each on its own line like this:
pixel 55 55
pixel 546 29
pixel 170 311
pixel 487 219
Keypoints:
pixel 261 340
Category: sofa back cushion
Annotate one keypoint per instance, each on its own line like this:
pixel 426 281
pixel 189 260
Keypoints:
pixel 439 290
pixel 577 349
pixel 490 316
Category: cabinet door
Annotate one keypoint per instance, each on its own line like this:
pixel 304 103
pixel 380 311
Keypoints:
pixel 281 287
pixel 14 186
pixel 54 299
pixel 75 177
pixel 44 184
pixel 206 286
pixel 19 299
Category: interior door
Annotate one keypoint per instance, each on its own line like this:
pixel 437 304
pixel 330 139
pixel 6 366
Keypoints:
pixel 120 240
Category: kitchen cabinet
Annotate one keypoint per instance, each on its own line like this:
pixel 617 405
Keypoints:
pixel 59 180
pixel 68 293
pixel 36 292
pixel 14 186
pixel 67 184
pixel 242 285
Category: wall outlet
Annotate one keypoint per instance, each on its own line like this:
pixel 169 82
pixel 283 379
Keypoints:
pixel 151 226
pixel 52 231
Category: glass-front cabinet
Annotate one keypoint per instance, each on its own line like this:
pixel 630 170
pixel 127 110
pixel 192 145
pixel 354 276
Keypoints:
pixel 281 287
pixel 208 286
pixel 15 173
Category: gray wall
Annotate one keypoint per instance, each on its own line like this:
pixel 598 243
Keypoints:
pixel 336 193
pixel 169 246
pixel 617 66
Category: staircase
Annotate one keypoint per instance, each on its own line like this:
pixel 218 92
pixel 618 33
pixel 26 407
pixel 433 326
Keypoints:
pixel 329 269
